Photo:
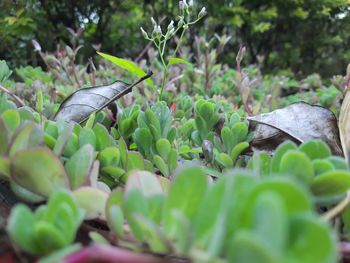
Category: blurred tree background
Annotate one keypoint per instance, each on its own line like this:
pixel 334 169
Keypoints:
pixel 300 36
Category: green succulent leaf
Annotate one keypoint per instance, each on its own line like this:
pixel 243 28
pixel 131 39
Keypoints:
pixel 297 164
pixel 79 166
pixel 11 119
pixel 163 147
pixel 331 183
pixel 185 195
pixel 248 247
pixel 38 170
pixel 315 149
pixel 21 228
pixel 311 240
pixel 280 151
pixel 161 165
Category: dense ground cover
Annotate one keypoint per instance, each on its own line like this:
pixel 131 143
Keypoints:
pixel 180 166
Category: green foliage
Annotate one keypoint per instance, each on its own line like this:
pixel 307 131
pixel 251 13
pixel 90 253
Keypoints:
pixel 51 227
pixel 237 218
pixel 5 72
pixel 311 164
pixel 206 118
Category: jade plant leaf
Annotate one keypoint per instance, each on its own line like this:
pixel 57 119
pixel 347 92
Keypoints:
pixel 248 247
pixel 79 166
pixel 92 201
pixel 185 195
pixel 103 138
pixel 144 181
pixel 20 227
pixel 297 164
pixel 331 183
pixel 315 149
pixel 52 227
pixel 11 119
pixel 82 103
pixel 27 135
pixel 38 170
pixel 310 240
pixel 25 194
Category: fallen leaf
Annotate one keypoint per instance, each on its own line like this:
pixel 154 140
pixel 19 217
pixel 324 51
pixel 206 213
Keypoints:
pixel 82 103
pixel 298 122
pixel 344 119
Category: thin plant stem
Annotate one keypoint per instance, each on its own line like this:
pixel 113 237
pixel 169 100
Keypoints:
pixel 338 209
pixel 179 42
pixel 16 98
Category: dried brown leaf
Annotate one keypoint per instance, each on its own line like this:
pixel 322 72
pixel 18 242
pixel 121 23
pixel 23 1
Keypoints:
pixel 298 122
pixel 82 103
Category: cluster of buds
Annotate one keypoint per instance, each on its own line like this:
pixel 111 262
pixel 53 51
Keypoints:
pixel 189 7
pixel 185 6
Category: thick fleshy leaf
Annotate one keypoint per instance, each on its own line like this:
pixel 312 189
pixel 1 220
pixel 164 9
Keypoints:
pixel 185 195
pixel 331 183
pixel 92 201
pixel 297 164
pixel 311 241
pixel 79 166
pixel 103 138
pixel 249 248
pixel 315 149
pixel 144 181
pixel 21 228
pixel 82 103
pixel 38 170
pixel 63 140
pixel 161 165
pixel 135 161
pixel 87 136
pixel 26 136
pixel 11 119
pixel 25 194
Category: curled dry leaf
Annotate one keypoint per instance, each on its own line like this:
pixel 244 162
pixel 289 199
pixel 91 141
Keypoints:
pixel 344 125
pixel 82 103
pixel 298 122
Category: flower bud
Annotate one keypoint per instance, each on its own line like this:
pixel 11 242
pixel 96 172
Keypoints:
pixel 144 33
pixel 171 25
pixel 157 32
pixel 240 54
pixel 170 33
pixel 154 23
pixel 202 13
pixel 181 6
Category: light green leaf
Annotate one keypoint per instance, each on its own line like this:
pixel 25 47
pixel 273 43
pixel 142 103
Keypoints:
pixel 128 65
pixel 173 61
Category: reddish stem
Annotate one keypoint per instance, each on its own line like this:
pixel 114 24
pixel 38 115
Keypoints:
pixel 109 254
